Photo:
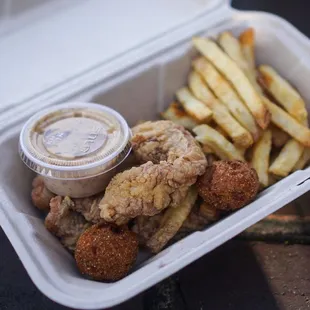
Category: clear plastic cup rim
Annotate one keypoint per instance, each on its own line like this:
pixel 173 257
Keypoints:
pixel 30 160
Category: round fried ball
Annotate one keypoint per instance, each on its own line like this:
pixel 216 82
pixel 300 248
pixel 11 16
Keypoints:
pixel 106 252
pixel 228 185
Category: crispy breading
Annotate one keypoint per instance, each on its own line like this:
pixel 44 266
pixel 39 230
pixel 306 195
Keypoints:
pixel 173 159
pixel 65 223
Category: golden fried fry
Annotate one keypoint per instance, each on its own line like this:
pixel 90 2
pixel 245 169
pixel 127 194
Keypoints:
pixel 208 212
pixel 221 114
pixel 287 158
pixel 221 146
pixel 247 39
pixel 288 124
pixel 260 157
pixel 207 149
pixel 272 179
pixel 224 91
pixel 303 160
pixel 193 106
pixel 237 77
pixel 211 158
pixel 221 131
pixel 284 93
pixel 172 222
pixel 233 49
pixel 241 150
pixel 279 137
pixel 177 115
pixel 194 222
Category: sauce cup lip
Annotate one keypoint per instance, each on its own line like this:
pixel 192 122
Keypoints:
pixel 28 157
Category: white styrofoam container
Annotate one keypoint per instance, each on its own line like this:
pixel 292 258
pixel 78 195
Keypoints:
pixel 139 83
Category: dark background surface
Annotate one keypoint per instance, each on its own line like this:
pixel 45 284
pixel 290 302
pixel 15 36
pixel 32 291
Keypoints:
pixel 238 275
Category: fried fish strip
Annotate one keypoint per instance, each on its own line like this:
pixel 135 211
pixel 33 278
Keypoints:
pixel 65 223
pixel 40 195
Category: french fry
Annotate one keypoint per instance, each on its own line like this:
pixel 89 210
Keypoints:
pixel 207 149
pixel 240 149
pixel 211 158
pixel 303 160
pixel 221 146
pixel 233 49
pixel 288 124
pixel 284 93
pixel 287 158
pixel 193 106
pixel 218 151
pixel 272 179
pixel 172 222
pixel 177 115
pixel 224 91
pixel 260 157
pixel 279 137
pixel 247 39
pixel 237 77
pixel 221 114
pixel 208 212
pixel 221 131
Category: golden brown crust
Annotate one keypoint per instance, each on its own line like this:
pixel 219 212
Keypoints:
pixel 40 195
pixel 144 190
pixel 146 226
pixel 166 141
pixel 88 207
pixel 65 223
pixel 228 185
pixel 173 161
pixel 38 180
pixel 247 37
pixel 106 252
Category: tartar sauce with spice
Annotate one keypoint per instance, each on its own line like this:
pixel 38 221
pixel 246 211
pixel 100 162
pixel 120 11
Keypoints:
pixel 76 147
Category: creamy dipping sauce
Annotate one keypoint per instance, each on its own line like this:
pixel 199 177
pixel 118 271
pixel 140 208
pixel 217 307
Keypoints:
pixel 75 147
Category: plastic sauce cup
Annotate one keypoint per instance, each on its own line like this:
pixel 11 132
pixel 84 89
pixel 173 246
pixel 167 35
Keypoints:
pixel 76 147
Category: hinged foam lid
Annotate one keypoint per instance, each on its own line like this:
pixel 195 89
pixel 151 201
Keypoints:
pixel 51 51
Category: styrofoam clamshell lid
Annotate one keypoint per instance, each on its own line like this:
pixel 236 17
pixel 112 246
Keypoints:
pixel 70 42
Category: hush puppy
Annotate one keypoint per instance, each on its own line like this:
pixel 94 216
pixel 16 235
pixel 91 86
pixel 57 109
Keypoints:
pixel 106 252
pixel 228 185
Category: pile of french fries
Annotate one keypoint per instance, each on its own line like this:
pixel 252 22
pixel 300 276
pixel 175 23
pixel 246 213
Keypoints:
pixel 238 111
